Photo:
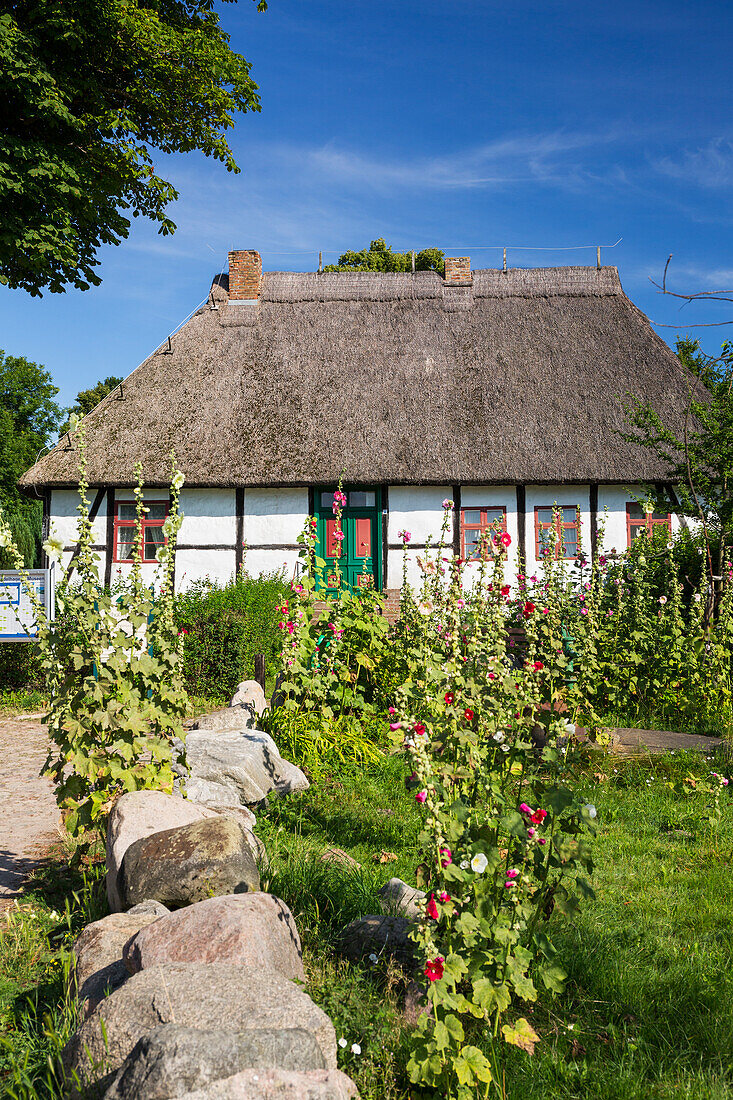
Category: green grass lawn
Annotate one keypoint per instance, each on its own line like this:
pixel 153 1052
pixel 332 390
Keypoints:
pixel 648 1011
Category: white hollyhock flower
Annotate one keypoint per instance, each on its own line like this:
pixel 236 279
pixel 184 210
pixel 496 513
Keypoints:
pixel 342 1042
pixel 479 863
pixel 355 1048
pixel 53 547
pixel 177 481
pixel 74 422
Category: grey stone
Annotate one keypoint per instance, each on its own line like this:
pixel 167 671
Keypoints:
pixel 204 996
pixel 398 898
pixel 279 1084
pixel 233 767
pixel 98 960
pixel 139 814
pixel 385 936
pixel 188 864
pixel 249 693
pixel 252 930
pixel 241 716
pixel 172 1060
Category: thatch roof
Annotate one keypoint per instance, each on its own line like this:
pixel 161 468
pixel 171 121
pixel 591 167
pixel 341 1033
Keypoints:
pixel 389 378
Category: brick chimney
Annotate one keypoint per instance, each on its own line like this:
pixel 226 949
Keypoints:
pixel 458 270
pixel 245 275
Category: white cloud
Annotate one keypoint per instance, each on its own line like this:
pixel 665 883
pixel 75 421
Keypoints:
pixel 709 166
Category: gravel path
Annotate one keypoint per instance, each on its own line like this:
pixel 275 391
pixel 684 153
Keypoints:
pixel 29 816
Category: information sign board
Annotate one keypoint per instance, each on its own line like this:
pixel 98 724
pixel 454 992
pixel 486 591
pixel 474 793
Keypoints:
pixel 17 616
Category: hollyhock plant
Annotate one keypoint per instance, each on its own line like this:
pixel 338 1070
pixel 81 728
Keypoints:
pixel 434 968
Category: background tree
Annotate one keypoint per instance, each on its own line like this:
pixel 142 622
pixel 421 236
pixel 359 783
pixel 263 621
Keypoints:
pixel 380 257
pixel 90 88
pixel 29 417
pixel 86 400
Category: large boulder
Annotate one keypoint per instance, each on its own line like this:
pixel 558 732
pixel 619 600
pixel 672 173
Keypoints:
pixel 279 1084
pixel 398 898
pixel 99 967
pixel 253 930
pixel 235 767
pixel 241 716
pixel 204 996
pixel 187 864
pixel 249 694
pixel 138 814
pixel 383 936
pixel 172 1060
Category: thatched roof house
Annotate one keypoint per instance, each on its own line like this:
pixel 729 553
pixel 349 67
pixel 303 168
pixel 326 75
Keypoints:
pixel 283 383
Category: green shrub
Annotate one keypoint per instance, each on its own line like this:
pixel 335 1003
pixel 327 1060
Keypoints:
pixel 315 743
pixel 20 667
pixel 224 626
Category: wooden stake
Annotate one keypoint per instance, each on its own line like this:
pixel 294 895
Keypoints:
pixel 260 669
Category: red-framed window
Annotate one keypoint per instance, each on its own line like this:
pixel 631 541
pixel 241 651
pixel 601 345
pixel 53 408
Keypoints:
pixel 474 523
pixel 640 522
pixel 126 529
pixel 556 531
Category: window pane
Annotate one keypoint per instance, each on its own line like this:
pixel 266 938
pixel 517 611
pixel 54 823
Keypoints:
pixel 571 544
pixel 635 511
pixel 126 512
pixel 472 515
pixel 569 515
pixel 544 515
pixel 635 530
pixel 125 542
pixel 326 500
pixel 362 499
pixel 153 539
pixel 155 511
pixel 495 518
pixel 660 517
pixel 472 544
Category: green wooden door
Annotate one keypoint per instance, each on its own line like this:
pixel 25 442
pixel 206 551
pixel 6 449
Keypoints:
pixel 358 554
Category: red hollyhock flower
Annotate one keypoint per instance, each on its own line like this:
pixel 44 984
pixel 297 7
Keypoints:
pixel 506 589
pixel 505 539
pixel 538 817
pixel 432 909
pixel 449 698
pixel 419 728
pixel 528 609
pixel 468 714
pixel 538 666
pixel 434 968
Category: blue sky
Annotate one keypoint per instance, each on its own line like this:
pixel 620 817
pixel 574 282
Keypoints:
pixel 458 123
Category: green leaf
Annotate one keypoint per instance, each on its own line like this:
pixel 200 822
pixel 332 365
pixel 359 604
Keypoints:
pixel 521 1035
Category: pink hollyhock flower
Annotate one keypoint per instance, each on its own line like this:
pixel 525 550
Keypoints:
pixel 338 536
pixel 291 627
pixel 446 857
pixel 448 504
pixel 492 675
pixel 431 909
pixel 421 796
pixel 512 873
pixel 584 611
pixel 542 840
pixel 505 539
pixel 443 897
pixel 395 726
pixel 525 809
pixel 434 968
pixel 531 831
pixel 391 710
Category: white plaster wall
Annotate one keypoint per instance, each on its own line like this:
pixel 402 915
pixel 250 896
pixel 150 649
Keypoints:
pixel 209 517
pixel 615 498
pixel 258 562
pixel 417 509
pixel 64 516
pixel 414 573
pixel 123 569
pixel 274 515
pixel 545 496
pixel 494 496
pixel 194 565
